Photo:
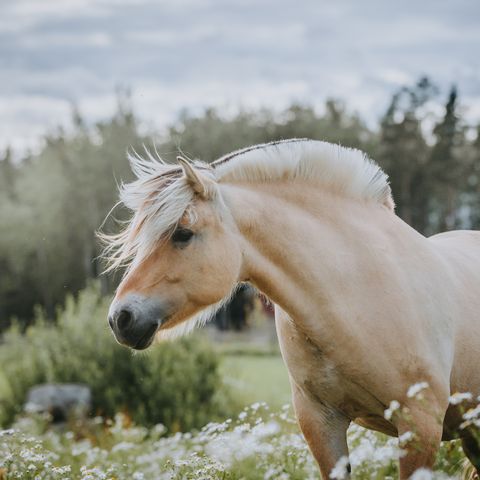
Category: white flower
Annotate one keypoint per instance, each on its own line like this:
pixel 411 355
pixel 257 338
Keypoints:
pixel 405 438
pixel 122 446
pixel 459 397
pixel 392 408
pixel 422 474
pixel 62 470
pixel 472 413
pixel 415 389
pixel 340 470
pixel 471 417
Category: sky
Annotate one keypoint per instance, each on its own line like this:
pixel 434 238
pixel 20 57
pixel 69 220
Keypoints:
pixel 231 54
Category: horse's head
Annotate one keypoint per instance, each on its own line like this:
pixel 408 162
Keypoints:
pixel 183 254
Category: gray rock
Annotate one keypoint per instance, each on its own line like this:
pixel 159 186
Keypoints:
pixel 61 401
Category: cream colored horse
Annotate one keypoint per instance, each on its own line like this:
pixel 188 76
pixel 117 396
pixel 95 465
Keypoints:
pixel 365 306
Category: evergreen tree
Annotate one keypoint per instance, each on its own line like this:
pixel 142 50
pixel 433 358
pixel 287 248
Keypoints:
pixel 473 177
pixel 7 174
pixel 447 167
pixel 403 152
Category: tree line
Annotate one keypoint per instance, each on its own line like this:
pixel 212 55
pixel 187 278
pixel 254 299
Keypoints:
pixel 52 202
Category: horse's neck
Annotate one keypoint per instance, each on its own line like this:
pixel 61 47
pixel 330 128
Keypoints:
pixel 304 247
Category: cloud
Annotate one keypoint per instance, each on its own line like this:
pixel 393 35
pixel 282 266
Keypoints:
pixel 29 117
pixel 21 15
pixel 66 40
pixel 178 54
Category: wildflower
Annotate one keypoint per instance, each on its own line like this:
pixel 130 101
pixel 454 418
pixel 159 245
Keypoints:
pixel 415 390
pixel 422 474
pixel 62 470
pixel 471 417
pixel 459 397
pixel 92 474
pixel 242 416
pixel 405 438
pixel 158 430
pixel 392 408
pixel 122 446
pixel 472 413
pixel 340 470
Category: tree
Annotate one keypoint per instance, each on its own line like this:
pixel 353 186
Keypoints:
pixel 448 167
pixel 7 174
pixel 55 202
pixel 51 203
pixel 473 178
pixel 403 152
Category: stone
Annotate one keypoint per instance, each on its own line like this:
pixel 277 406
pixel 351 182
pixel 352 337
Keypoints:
pixel 61 401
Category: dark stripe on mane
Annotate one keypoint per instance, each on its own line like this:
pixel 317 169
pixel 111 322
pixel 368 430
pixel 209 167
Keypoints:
pixel 262 146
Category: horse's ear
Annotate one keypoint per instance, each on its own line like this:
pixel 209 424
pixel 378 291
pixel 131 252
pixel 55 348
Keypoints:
pixel 202 185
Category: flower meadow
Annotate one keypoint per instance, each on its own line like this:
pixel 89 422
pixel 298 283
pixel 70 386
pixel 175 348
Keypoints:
pixel 257 444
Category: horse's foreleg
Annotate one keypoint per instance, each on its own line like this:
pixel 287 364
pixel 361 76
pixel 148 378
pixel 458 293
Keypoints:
pixel 471 448
pixel 421 444
pixel 325 431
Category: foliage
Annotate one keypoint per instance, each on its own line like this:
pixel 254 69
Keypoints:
pixel 449 165
pixel 403 152
pixel 52 202
pixel 256 445
pixel 178 384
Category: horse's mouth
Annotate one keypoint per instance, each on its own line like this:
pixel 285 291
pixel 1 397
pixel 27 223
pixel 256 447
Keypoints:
pixel 149 336
pixel 167 322
pixel 146 339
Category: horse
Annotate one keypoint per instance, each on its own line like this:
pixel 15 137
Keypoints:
pixel 365 306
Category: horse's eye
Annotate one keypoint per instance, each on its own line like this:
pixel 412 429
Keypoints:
pixel 181 236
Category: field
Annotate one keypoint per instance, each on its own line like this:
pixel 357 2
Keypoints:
pixel 257 378
pixel 262 442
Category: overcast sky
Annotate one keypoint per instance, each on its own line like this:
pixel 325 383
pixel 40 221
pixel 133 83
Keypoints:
pixel 177 54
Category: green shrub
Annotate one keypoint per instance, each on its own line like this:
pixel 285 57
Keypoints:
pixel 177 384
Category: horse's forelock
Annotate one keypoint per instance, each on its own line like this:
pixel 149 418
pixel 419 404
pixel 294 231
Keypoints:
pixel 157 199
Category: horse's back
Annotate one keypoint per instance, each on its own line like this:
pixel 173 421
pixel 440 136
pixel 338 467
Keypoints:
pixel 460 250
pixel 458 239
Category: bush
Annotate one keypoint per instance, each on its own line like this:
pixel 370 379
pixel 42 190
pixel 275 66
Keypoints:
pixel 177 384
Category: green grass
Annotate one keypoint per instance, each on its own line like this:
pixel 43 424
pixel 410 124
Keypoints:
pixel 257 378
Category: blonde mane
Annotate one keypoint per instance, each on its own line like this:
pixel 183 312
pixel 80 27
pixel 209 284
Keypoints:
pixel 161 195
pixel 345 170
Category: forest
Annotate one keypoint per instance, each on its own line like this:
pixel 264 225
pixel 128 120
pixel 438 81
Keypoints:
pixel 53 201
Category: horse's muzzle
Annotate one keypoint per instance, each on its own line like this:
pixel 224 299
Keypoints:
pixel 135 321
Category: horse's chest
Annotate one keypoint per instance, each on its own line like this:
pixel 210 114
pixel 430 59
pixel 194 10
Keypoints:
pixel 322 377
pixel 311 368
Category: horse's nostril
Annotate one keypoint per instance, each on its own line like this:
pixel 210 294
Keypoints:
pixel 110 321
pixel 124 320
